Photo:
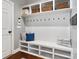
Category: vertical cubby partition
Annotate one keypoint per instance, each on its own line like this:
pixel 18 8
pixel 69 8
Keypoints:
pixel 47 52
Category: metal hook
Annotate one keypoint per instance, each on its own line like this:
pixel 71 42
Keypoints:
pixel 64 18
pixel 53 18
pixel 58 18
pixel 40 19
pixel 44 19
pixel 33 20
pixel 49 19
pixel 37 19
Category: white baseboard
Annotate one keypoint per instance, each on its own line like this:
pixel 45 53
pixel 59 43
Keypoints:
pixel 14 51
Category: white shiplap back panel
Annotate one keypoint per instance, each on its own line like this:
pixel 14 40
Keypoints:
pixel 49 26
pixel 50 33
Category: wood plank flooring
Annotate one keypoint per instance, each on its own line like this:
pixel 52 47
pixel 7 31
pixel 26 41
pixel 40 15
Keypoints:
pixel 22 55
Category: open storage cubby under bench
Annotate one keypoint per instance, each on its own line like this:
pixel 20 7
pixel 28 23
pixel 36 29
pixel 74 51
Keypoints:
pixel 34 46
pixel 48 50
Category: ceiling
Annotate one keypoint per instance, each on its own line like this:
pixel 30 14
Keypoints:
pixel 25 2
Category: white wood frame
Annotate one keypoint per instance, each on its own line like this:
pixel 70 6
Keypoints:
pixel 12 25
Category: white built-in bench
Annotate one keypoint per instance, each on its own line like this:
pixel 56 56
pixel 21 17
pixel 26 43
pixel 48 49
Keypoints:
pixel 46 50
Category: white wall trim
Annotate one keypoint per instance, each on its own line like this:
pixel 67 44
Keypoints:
pixel 12 25
pixel 15 51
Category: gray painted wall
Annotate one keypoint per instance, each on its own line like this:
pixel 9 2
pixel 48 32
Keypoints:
pixel 17 31
pixel 74 40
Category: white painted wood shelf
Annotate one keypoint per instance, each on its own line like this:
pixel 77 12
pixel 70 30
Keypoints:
pixel 53 11
pixel 54 6
pixel 47 50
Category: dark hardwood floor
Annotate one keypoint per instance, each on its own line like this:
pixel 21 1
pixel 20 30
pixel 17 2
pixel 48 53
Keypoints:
pixel 22 55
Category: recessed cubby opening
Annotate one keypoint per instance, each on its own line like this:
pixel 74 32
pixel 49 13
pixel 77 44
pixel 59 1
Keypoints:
pixel 48 55
pixel 46 49
pixel 34 51
pixel 61 4
pixel 25 10
pixel 34 46
pixel 35 8
pixel 67 53
pixel 25 44
pixel 49 52
pixel 59 57
pixel 24 48
pixel 47 6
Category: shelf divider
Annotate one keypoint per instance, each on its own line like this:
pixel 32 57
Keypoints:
pixel 62 55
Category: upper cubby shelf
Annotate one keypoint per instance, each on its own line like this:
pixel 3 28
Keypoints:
pixel 35 8
pixel 61 4
pixel 46 6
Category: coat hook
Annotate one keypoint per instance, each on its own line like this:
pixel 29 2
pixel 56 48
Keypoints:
pixel 44 19
pixel 64 18
pixel 58 18
pixel 53 18
pixel 33 20
pixel 19 18
pixel 49 19
pixel 40 19
pixel 37 19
